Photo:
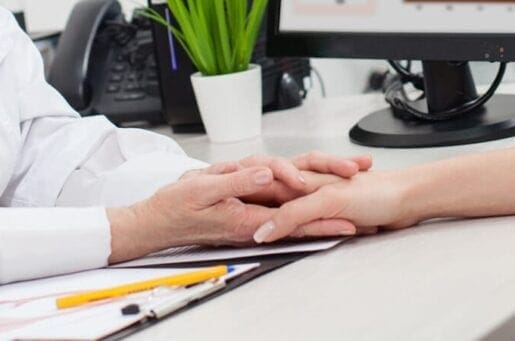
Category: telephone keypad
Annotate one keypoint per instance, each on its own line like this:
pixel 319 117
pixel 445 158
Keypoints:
pixel 116 78
pixel 132 80
pixel 130 96
pixel 111 88
pixel 119 67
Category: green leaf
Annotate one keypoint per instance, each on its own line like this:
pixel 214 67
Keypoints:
pixel 202 31
pixel 219 36
pixel 185 23
pixel 223 43
pixel 253 27
pixel 236 14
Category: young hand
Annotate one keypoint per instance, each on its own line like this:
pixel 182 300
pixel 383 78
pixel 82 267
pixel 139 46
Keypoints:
pixel 368 201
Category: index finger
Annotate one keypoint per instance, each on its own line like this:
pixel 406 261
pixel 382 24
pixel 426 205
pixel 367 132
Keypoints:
pixel 210 189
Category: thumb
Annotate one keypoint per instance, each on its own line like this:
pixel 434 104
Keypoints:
pixel 215 188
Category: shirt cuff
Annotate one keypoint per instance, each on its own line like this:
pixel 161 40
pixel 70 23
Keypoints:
pixel 41 242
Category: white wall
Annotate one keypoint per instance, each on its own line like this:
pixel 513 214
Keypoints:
pixel 13 5
pixel 340 76
pixel 345 76
pixel 49 15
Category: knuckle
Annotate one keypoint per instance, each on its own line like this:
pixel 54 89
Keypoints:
pixel 238 184
pixel 299 157
pixel 279 162
pixel 233 215
pixel 191 190
pixel 189 174
pixel 255 159
pixel 301 232
pixel 217 168
pixel 235 209
pixel 244 226
pixel 315 154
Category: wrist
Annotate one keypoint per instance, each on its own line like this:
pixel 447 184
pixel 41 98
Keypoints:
pixel 420 199
pixel 131 234
pixel 122 222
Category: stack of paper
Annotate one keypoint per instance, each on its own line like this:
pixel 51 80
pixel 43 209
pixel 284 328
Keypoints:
pixel 28 310
pixel 192 254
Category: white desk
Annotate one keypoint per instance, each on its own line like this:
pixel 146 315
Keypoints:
pixel 440 281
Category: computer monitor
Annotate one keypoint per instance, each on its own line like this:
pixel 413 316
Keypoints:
pixel 444 35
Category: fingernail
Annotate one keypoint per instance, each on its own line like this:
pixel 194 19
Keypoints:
pixel 352 165
pixel 262 178
pixel 301 178
pixel 348 231
pixel 264 232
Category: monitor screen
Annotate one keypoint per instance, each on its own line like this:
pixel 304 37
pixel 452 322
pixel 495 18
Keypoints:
pixel 398 16
pixel 444 35
pixel 466 30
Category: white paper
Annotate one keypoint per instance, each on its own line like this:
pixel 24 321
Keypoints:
pixel 28 310
pixel 190 254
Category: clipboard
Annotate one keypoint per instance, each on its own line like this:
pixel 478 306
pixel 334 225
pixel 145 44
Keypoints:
pixel 268 264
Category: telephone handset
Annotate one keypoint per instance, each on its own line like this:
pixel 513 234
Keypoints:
pixel 104 65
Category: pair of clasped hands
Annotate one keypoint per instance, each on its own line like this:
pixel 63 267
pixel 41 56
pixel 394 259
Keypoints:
pixel 261 199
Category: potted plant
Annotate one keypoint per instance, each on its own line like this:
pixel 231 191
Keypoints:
pixel 219 37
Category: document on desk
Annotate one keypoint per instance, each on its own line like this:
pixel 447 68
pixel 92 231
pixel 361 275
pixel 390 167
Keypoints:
pixel 192 254
pixel 28 309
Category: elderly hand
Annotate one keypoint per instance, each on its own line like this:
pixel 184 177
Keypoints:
pixel 200 208
pixel 293 178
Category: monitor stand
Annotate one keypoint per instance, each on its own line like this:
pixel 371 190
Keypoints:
pixel 447 85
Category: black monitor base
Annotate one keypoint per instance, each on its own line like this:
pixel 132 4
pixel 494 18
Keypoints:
pixel 382 129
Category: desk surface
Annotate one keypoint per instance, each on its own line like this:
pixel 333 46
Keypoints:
pixel 442 280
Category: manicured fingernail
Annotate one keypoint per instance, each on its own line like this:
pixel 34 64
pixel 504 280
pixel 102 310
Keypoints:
pixel 301 178
pixel 264 232
pixel 262 178
pixel 348 231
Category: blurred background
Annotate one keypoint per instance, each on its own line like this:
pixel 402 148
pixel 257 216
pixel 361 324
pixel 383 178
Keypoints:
pixel 340 77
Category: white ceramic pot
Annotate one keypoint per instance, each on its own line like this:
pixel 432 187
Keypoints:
pixel 230 105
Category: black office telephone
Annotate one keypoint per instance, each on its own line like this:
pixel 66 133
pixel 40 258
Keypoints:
pixel 105 65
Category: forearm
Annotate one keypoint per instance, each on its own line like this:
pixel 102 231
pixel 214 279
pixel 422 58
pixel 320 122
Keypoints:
pixel 470 186
pixel 145 227
pixel 126 239
pixel 133 234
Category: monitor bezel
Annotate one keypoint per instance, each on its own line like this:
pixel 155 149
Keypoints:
pixel 397 46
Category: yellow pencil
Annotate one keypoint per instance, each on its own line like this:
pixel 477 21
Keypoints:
pixel 184 279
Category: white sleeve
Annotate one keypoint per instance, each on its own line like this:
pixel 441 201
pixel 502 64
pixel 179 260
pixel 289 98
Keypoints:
pixel 64 160
pixel 130 165
pixel 40 242
pixel 77 163
pixel 68 161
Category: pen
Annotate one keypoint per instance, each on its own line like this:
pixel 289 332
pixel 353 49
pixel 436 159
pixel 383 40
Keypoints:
pixel 184 279
pixel 165 308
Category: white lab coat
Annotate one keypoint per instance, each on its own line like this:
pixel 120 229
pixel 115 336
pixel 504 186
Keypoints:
pixel 51 158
